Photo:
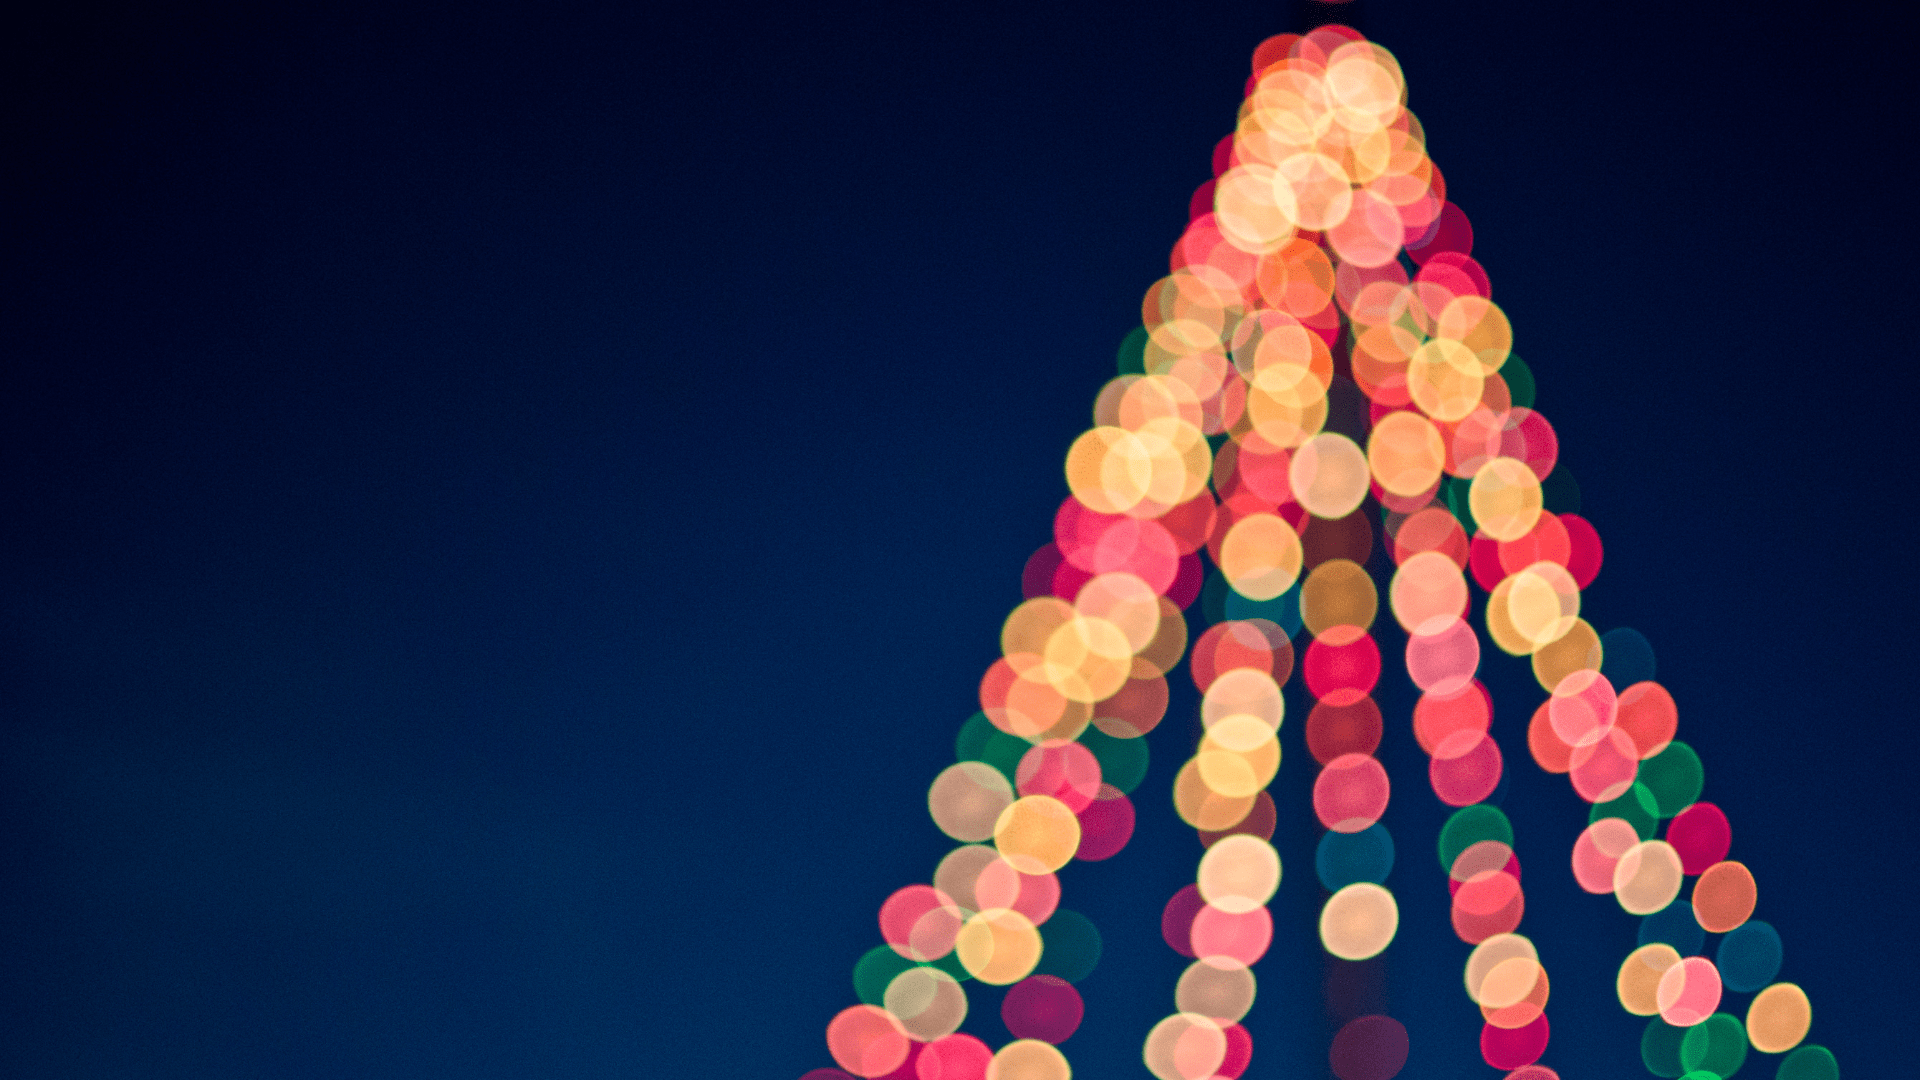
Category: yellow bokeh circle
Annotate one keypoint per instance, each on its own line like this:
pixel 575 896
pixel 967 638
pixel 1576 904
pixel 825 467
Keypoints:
pixel 1238 756
pixel 927 1001
pixel 1542 604
pixel 1261 556
pixel 1779 1018
pixel 1204 808
pixel 1638 983
pixel 1406 453
pixel 1254 212
pixel 1038 834
pixel 1329 475
pixel 1505 498
pixel 1480 325
pixel 1109 469
pixel 1239 873
pixel 1185 1046
pixel 1647 877
pixel 1444 380
pixel 1510 981
pixel 1427 586
pixel 1029 1059
pixel 1339 592
pixel 1359 921
pixel 1490 954
pixel 1243 692
pixel 998 946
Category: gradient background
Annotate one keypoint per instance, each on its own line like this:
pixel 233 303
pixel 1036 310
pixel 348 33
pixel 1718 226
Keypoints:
pixel 506 506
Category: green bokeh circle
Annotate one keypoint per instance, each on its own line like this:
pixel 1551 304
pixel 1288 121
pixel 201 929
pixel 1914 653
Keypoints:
pixel 1717 1045
pixel 1123 762
pixel 1674 776
pixel 1070 946
pixel 1809 1063
pixel 1468 826
pixel 1660 1048
pixel 873 971
pixel 1637 808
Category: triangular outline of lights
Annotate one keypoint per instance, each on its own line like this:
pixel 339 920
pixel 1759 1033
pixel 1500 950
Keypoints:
pixel 1286 286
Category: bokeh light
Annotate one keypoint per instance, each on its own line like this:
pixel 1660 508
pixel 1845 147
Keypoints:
pixel 1598 851
pixel 1513 1048
pixel 1342 859
pixel 967 798
pixel 867 1041
pixel 1809 1063
pixel 998 946
pixel 1359 921
pixel 1043 1007
pixel 1750 956
pixel 1028 1059
pixel 1351 793
pixel 1674 925
pixel 1369 1048
pixel 1638 983
pixel 1239 874
pixel 1778 1018
pixel 1296 391
pixel 1647 877
pixel 1216 986
pixel 928 1002
pixel 1688 992
pixel 1185 1046
pixel 1716 1046
pixel 1724 897
pixel 956 1057
pixel 1240 935
pixel 1701 835
pixel 1038 834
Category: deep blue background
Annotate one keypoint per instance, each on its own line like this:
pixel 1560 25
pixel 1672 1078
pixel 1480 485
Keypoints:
pixel 505 507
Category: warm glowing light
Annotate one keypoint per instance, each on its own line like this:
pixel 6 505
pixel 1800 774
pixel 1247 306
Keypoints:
pixel 1359 921
pixel 1779 1018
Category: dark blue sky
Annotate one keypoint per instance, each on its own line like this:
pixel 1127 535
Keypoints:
pixel 508 506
